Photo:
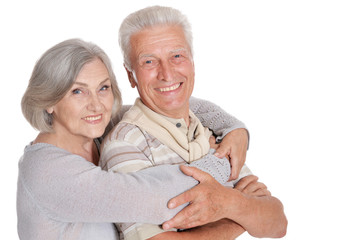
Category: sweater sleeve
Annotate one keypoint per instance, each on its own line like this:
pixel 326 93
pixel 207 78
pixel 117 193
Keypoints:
pixel 67 188
pixel 214 117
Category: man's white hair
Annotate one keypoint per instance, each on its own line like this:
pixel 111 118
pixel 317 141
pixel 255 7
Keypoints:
pixel 148 17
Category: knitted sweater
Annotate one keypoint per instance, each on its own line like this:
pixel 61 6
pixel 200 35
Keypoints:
pixel 62 196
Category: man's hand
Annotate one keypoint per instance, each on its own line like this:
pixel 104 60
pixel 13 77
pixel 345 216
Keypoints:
pixel 249 185
pixel 208 201
pixel 257 212
pixel 234 146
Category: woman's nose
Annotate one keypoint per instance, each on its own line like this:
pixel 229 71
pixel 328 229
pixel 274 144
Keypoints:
pixel 95 104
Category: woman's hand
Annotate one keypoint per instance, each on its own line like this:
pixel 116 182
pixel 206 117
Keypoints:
pixel 234 146
pixel 212 142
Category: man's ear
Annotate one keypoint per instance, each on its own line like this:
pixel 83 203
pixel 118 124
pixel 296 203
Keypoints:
pixel 131 78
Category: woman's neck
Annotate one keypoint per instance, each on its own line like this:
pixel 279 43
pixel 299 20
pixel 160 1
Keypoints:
pixel 84 147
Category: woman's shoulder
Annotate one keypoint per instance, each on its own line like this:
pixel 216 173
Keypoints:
pixel 42 162
pixel 40 156
pixel 42 150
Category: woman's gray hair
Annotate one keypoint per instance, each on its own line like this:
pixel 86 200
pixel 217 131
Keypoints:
pixel 53 76
pixel 149 17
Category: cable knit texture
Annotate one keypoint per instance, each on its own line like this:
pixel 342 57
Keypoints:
pixel 218 168
pixel 212 116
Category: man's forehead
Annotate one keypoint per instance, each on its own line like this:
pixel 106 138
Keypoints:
pixel 158 34
pixel 159 40
pixel 170 52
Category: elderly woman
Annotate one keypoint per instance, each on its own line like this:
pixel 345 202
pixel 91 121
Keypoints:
pixel 62 193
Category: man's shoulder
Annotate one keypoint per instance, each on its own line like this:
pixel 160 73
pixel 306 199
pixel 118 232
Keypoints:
pixel 123 139
pixel 122 132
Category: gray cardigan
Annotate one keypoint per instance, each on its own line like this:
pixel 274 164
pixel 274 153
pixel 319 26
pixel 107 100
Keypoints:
pixel 62 196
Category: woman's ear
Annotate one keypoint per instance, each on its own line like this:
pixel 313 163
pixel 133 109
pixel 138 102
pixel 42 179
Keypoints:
pixel 50 110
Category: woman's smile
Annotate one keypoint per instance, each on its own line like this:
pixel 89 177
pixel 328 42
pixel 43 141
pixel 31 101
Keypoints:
pixel 93 119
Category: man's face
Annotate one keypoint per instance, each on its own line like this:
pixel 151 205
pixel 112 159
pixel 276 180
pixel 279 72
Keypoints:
pixel 164 69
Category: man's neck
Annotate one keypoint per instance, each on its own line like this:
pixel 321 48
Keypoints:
pixel 182 113
pixel 184 116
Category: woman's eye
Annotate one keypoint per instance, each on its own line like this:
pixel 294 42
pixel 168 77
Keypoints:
pixel 105 87
pixel 77 91
pixel 177 56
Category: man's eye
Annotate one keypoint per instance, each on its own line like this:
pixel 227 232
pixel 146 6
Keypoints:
pixel 178 58
pixel 149 63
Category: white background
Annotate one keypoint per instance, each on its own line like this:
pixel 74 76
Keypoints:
pixel 289 69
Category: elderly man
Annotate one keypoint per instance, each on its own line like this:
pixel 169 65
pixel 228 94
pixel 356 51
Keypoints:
pixel 161 129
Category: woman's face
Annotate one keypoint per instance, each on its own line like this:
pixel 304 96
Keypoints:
pixel 86 109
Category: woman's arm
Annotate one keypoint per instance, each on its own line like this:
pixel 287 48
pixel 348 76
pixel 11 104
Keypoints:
pixel 210 115
pixel 70 189
pixel 231 133
pixel 214 117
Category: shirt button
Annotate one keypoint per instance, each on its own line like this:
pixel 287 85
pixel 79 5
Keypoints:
pixel 178 125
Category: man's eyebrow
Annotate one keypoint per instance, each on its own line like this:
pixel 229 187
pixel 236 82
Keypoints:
pixel 179 50
pixel 146 55
pixel 172 51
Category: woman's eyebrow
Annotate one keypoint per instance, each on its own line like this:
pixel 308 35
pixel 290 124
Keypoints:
pixel 105 80
pixel 81 84
pixel 85 84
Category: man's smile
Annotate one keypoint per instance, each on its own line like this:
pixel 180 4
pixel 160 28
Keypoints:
pixel 170 88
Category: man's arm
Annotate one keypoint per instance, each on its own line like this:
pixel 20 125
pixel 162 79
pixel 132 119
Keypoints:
pixel 261 216
pixel 224 228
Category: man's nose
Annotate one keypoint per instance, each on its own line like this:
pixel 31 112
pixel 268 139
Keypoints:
pixel 166 72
